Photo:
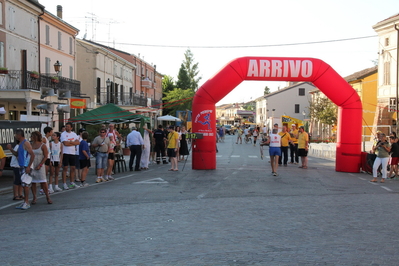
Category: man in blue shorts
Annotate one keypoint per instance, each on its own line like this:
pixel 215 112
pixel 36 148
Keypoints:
pixel 274 142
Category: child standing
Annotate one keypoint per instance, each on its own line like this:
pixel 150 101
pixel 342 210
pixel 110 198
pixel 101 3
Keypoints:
pixel 55 159
pixel 84 158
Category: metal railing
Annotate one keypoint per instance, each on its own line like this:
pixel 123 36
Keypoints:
pixel 17 80
pixel 127 99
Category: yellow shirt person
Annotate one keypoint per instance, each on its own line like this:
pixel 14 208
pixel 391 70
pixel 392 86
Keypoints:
pixel 285 138
pixel 294 134
pixel 173 138
pixel 303 140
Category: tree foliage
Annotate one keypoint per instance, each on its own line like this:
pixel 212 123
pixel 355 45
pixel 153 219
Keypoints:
pixel 172 103
pixel 183 81
pixel 167 84
pixel 266 91
pixel 191 70
pixel 185 87
pixel 323 110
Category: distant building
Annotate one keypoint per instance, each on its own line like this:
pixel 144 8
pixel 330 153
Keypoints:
pixel 386 112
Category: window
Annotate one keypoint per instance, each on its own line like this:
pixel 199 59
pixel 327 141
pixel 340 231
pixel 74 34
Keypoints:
pixel 386 41
pixel 1 54
pixel 1 13
pixel 33 29
pixel 59 41
pixel 47 65
pixel 387 73
pixel 297 107
pixel 47 34
pixel 70 45
pixel 301 92
pixel 11 18
pixel 71 72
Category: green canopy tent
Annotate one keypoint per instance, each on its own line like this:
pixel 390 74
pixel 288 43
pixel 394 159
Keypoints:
pixel 109 113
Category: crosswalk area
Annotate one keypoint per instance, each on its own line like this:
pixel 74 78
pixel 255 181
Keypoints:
pixel 246 156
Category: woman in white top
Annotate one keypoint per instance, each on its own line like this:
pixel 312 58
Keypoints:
pixel 39 171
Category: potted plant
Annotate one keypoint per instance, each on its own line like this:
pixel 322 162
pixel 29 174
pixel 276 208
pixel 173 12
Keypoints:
pixel 34 74
pixel 55 79
pixel 3 70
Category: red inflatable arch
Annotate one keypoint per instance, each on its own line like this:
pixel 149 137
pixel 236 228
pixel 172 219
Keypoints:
pixel 279 69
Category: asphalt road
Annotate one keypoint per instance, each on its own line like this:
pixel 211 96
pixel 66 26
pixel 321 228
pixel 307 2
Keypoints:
pixel 238 214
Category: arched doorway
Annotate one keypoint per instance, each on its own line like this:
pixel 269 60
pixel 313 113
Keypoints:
pixel 279 69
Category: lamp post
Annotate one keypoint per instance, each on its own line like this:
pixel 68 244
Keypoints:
pixel 304 114
pixel 57 67
pixel 108 83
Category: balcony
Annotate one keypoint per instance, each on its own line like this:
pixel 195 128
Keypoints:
pixel 17 80
pixel 127 99
pixel 146 83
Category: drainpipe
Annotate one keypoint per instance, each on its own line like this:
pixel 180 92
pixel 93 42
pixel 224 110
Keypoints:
pixel 397 73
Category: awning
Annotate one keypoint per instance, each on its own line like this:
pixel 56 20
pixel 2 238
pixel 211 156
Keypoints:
pixel 285 119
pixel 109 113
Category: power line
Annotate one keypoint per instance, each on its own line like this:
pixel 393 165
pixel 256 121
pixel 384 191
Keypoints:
pixel 242 46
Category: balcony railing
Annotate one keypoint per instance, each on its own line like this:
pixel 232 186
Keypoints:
pixel 16 80
pixel 127 99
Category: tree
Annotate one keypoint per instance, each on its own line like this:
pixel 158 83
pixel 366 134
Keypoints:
pixel 167 84
pixel 172 100
pixel 266 91
pixel 323 110
pixel 188 72
pixel 183 80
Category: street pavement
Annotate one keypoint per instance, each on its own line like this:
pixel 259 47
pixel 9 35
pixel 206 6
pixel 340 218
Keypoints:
pixel 238 214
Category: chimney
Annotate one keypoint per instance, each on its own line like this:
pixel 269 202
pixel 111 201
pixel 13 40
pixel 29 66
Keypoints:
pixel 59 11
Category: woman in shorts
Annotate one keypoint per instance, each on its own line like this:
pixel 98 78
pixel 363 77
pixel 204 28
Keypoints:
pixel 111 157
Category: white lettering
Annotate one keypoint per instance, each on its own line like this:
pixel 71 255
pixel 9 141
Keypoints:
pixel 307 68
pixel 264 70
pixel 280 68
pixel 295 68
pixel 276 68
pixel 252 68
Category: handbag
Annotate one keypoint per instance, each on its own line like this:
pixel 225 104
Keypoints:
pixel 26 179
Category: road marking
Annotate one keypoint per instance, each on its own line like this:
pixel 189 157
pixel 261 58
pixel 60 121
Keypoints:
pixel 234 173
pixel 361 178
pixel 206 192
pixel 252 156
pixel 235 156
pixel 157 180
pixel 387 189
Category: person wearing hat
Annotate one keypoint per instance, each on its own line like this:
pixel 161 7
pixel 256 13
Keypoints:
pixel 294 144
pixel 136 144
pixel 303 146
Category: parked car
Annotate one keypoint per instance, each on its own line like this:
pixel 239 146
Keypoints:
pixel 230 129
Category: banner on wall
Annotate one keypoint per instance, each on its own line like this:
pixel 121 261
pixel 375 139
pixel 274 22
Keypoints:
pixel 78 103
pixel 8 128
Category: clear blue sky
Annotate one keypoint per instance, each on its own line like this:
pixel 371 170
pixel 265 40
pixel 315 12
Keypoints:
pixel 233 23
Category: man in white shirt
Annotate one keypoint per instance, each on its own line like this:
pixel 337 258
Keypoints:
pixel 69 140
pixel 136 144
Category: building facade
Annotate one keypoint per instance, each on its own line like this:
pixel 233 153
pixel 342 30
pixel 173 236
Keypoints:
pixel 387 94
pixel 291 101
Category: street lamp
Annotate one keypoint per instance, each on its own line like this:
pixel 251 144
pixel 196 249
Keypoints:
pixel 108 82
pixel 304 114
pixel 57 67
